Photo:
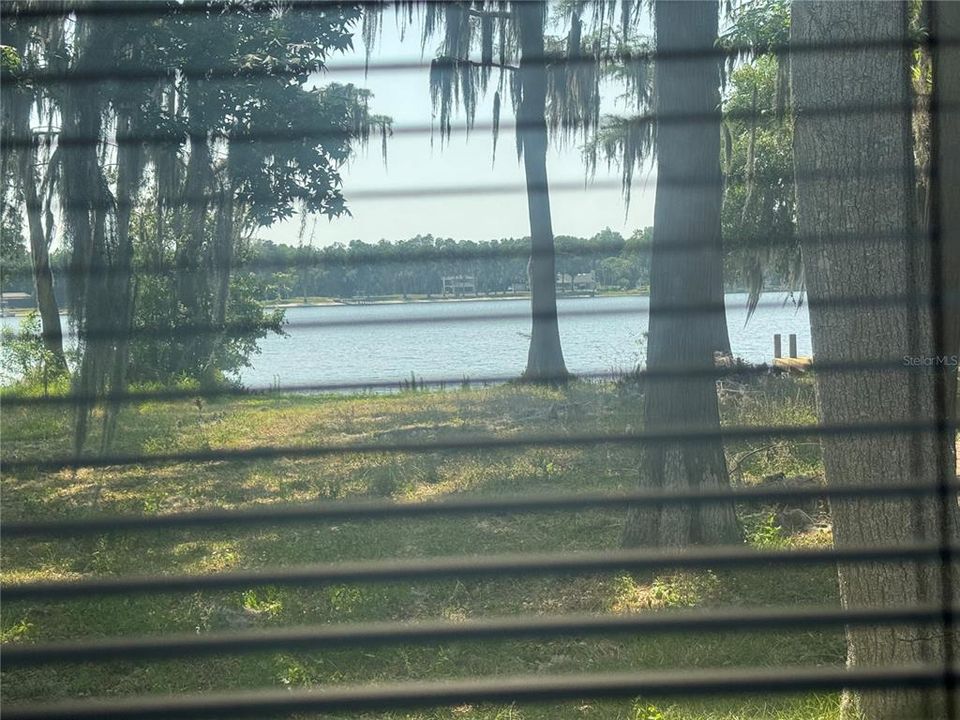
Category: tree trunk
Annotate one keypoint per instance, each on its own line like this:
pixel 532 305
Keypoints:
pixel 18 103
pixel 40 258
pixel 130 166
pixel 856 198
pixel 192 297
pixel 946 29
pixel 686 212
pixel 545 357
pixel 90 214
pixel 221 259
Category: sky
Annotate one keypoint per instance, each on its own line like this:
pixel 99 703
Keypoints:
pixel 413 163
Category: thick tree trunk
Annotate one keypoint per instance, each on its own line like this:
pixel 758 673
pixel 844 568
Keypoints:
pixel 40 258
pixel 856 198
pixel 687 212
pixel 946 29
pixel 545 357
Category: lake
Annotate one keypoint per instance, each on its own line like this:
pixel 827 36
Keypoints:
pixel 450 340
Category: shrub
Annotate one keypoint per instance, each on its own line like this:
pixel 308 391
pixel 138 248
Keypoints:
pixel 26 362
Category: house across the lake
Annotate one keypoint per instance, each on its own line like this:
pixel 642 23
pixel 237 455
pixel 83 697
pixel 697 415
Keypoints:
pixel 459 285
pixel 584 282
pixel 579 283
pixel 16 301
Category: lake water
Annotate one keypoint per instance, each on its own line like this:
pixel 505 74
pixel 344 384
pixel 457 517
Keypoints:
pixel 357 344
pixel 450 340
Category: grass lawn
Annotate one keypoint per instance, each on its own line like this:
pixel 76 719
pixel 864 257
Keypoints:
pixel 409 417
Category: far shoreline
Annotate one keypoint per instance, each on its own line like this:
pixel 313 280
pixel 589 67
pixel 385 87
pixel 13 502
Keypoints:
pixel 286 304
pixel 422 299
pixel 411 300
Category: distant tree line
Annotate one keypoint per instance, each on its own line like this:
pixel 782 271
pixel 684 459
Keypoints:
pixel 418 265
pixel 271 271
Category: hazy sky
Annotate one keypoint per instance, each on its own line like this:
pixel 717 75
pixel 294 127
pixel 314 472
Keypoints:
pixel 465 161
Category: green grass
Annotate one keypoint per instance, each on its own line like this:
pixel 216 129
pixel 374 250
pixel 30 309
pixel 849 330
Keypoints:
pixel 410 417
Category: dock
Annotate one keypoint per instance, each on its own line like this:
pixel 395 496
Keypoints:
pixel 792 363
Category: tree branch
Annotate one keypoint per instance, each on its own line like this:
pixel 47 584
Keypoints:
pixel 489 13
pixel 477 63
pixel 498 66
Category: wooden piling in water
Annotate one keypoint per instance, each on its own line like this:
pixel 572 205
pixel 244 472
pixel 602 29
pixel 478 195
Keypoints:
pixel 793 363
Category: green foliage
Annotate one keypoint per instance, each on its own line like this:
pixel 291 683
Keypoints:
pixel 265 601
pixel 345 599
pixel 168 347
pixel 624 142
pixel 758 209
pixel 10 59
pixel 648 712
pixel 764 532
pixel 16 632
pixel 26 362
pixel 600 37
pixel 15 270
pixel 416 266
pixel 758 206
pixel 252 147
pixel 281 51
pixel 758 25
pixel 296 673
